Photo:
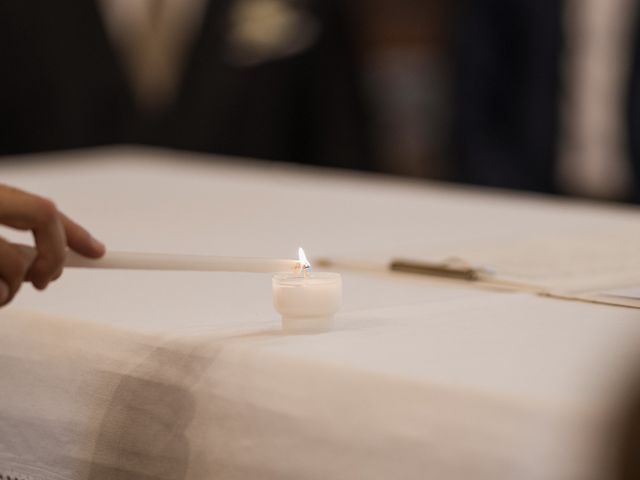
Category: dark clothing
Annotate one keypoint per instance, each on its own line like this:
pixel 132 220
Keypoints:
pixel 633 111
pixel 63 86
pixel 507 93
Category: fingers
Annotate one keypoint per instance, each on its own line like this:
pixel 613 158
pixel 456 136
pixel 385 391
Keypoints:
pixel 52 232
pixel 51 244
pixel 80 240
pixel 14 266
pixel 22 210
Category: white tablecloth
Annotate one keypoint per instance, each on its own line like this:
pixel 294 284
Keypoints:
pixel 147 375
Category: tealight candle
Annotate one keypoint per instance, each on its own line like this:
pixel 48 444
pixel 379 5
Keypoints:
pixel 307 301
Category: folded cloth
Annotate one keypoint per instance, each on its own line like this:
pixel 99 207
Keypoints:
pixel 80 400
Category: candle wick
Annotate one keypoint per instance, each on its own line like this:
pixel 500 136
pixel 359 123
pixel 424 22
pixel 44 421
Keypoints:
pixel 306 271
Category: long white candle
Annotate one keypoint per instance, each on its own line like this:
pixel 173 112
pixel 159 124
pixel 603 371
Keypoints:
pixel 204 263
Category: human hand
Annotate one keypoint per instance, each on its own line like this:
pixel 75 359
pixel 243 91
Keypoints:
pixel 53 233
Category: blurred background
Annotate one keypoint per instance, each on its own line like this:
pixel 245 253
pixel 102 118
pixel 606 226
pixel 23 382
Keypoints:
pixel 537 95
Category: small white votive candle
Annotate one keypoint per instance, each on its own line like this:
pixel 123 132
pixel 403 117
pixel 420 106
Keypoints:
pixel 307 302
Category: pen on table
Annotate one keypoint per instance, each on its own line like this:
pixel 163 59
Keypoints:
pixel 450 269
pixel 453 268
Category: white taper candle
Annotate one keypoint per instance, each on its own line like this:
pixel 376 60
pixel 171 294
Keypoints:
pixel 203 263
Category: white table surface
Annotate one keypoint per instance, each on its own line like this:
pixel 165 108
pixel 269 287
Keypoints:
pixel 186 375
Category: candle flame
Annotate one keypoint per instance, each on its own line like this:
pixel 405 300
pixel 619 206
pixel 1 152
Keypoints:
pixel 303 260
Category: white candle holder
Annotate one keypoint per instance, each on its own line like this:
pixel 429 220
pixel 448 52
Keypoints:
pixel 307 302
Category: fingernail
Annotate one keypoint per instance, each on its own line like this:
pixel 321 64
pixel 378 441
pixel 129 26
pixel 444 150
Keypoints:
pixel 4 292
pixel 97 244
